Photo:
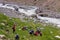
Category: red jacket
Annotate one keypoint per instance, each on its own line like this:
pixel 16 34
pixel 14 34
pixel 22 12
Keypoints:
pixel 36 33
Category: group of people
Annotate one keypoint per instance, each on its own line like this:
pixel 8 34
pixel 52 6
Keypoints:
pixel 31 32
pixel 36 33
pixel 14 29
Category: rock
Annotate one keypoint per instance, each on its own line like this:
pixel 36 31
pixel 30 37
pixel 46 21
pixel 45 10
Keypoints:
pixel 57 36
pixel 4 14
pixel 2 37
pixel 58 26
pixel 3 24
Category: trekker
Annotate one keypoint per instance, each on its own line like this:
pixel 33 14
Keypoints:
pixel 17 37
pixel 14 28
pixel 24 28
pixel 31 32
pixel 39 31
pixel 36 33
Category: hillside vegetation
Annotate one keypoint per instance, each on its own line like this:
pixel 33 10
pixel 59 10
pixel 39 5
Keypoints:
pixel 48 32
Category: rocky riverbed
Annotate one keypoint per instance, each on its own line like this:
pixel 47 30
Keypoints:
pixel 24 11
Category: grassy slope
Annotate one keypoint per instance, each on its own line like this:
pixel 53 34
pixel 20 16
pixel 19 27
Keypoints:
pixel 24 35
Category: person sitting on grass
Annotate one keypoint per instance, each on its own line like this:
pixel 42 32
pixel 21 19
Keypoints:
pixel 24 28
pixel 38 31
pixel 16 37
pixel 31 32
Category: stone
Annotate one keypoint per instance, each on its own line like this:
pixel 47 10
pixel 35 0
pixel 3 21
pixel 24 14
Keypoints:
pixel 57 36
pixel 3 24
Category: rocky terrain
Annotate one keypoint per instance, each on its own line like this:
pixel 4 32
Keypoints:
pixel 50 8
pixel 40 12
pixel 47 4
pixel 30 12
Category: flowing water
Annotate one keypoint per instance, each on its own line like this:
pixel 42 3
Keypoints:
pixel 30 10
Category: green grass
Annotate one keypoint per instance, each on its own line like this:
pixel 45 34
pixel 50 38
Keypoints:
pixel 24 35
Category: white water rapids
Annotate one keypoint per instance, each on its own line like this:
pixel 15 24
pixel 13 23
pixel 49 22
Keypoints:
pixel 27 10
pixel 31 10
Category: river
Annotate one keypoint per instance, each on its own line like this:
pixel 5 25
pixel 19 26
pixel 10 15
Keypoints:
pixel 30 11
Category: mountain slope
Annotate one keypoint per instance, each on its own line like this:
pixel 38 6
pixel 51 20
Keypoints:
pixel 48 4
pixel 48 32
